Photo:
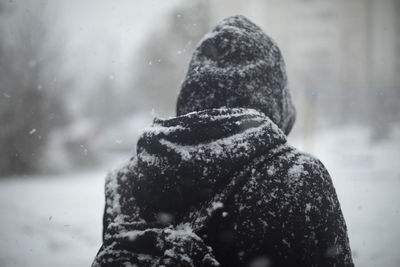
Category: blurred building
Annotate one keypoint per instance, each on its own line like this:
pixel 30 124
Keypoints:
pixel 368 50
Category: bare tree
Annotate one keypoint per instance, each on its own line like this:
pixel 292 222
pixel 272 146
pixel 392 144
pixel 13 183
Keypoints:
pixel 29 104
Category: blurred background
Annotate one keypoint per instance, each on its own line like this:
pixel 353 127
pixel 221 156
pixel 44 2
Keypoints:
pixel 79 79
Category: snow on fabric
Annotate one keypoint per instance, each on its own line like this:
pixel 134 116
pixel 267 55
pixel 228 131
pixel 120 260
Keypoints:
pixel 254 197
pixel 220 186
pixel 238 65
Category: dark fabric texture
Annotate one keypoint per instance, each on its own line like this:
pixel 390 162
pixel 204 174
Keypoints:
pixel 238 65
pixel 221 187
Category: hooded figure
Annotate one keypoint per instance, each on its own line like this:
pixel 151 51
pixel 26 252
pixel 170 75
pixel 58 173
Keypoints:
pixel 219 185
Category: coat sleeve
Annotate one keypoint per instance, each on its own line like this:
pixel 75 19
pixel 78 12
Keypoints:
pixel 129 240
pixel 325 241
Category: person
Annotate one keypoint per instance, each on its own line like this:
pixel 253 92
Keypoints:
pixel 219 185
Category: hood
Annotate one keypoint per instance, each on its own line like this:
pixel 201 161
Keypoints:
pixel 238 65
pixel 183 160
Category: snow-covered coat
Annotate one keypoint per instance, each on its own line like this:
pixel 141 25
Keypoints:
pixel 219 185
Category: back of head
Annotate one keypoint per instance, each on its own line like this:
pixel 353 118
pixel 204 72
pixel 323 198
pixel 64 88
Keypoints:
pixel 238 65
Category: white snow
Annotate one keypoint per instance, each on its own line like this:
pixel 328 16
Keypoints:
pixel 232 144
pixel 182 231
pixel 55 220
pixel 157 129
pixel 51 220
pixel 296 171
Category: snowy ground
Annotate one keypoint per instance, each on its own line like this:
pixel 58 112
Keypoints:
pixel 56 220
pixel 51 221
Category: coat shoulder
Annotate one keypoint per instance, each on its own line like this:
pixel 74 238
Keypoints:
pixel 288 163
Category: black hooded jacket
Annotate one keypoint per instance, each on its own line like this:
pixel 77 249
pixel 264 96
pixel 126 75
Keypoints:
pixel 220 185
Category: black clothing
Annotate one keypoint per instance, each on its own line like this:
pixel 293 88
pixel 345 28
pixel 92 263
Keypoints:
pixel 238 65
pixel 221 186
